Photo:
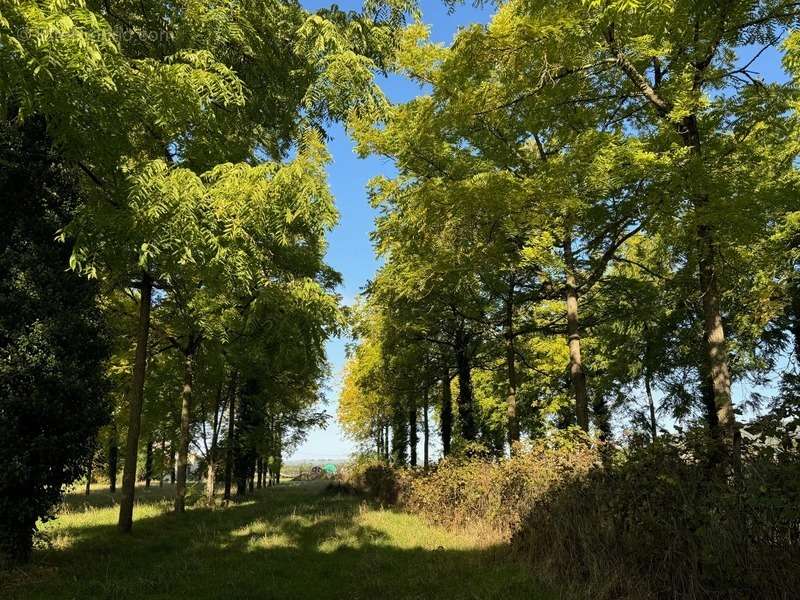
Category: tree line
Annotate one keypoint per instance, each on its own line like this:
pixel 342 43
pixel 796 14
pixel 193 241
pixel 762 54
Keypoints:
pixel 164 218
pixel 594 222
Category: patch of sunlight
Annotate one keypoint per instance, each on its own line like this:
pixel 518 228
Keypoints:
pixel 262 534
pixel 408 531
pixel 97 517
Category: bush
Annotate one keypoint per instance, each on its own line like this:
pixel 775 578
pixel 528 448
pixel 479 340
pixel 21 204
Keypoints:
pixel 51 341
pixel 464 491
pixel 657 523
pixel 375 478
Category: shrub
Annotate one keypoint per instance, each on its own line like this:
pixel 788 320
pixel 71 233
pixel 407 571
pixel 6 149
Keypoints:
pixel 374 478
pixel 656 523
pixel 463 491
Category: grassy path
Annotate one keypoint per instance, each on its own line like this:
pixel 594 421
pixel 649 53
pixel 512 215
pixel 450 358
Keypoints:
pixel 293 541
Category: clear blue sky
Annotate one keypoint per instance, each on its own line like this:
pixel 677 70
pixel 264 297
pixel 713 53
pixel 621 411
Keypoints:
pixel 350 251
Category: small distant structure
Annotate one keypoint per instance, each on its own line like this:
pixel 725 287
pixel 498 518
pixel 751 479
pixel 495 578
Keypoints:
pixel 326 471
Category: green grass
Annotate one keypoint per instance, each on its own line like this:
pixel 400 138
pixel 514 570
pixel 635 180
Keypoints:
pixel 293 541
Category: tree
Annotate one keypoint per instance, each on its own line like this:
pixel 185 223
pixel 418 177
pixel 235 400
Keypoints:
pixel 52 340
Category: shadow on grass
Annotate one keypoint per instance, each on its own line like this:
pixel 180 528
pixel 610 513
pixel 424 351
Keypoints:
pixel 294 541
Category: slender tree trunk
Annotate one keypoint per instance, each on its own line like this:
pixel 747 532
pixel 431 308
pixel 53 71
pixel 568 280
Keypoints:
pixel 651 405
pixel 229 451
pixel 186 421
pixel 446 413
pixel 89 473
pixel 412 429
pixel 425 430
pixel 511 368
pixel 278 456
pixel 795 292
pixel 113 459
pixel 172 462
pixel 211 470
pixel 399 434
pixel 466 404
pixel 577 374
pixel 135 410
pixel 148 463
pixel 163 471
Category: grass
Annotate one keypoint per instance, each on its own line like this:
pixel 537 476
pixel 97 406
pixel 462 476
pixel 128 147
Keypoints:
pixel 294 541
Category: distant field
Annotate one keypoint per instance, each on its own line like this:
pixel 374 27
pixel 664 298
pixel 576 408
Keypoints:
pixel 292 541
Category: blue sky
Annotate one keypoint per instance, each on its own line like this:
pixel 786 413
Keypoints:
pixel 350 250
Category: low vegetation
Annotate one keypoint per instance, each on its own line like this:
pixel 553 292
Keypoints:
pixel 291 541
pixel 646 521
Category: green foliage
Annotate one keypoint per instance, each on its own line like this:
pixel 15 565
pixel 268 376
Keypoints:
pixel 655 523
pixel 52 341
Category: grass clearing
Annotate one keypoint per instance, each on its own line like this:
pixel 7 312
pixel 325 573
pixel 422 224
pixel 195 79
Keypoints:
pixel 293 541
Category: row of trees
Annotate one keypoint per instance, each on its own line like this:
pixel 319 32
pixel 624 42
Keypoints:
pixel 187 149
pixel 595 213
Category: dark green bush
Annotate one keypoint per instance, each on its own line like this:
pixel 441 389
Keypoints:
pixel 51 341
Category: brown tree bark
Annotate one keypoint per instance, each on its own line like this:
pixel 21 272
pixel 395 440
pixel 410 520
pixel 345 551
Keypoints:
pixel 412 430
pixel 163 470
pixel 186 420
pixel 651 405
pixel 425 430
pixel 229 451
pixel 89 473
pixel 125 522
pixel 577 374
pixel 511 370
pixel 466 403
pixel 446 412
pixel 113 460
pixel 148 463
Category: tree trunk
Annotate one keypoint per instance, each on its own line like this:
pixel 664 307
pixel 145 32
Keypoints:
pixel 714 334
pixel 229 451
pixel 135 410
pixel 186 421
pixel 211 469
pixel 412 430
pixel 446 413
pixel 148 463
pixel 795 292
pixel 651 405
pixel 278 456
pixel 162 470
pixel 211 479
pixel 89 473
pixel 466 408
pixel 399 434
pixel 425 430
pixel 172 462
pixel 113 458
pixel 577 374
pixel 511 368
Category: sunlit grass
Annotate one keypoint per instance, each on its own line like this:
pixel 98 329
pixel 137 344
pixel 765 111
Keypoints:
pixel 294 541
